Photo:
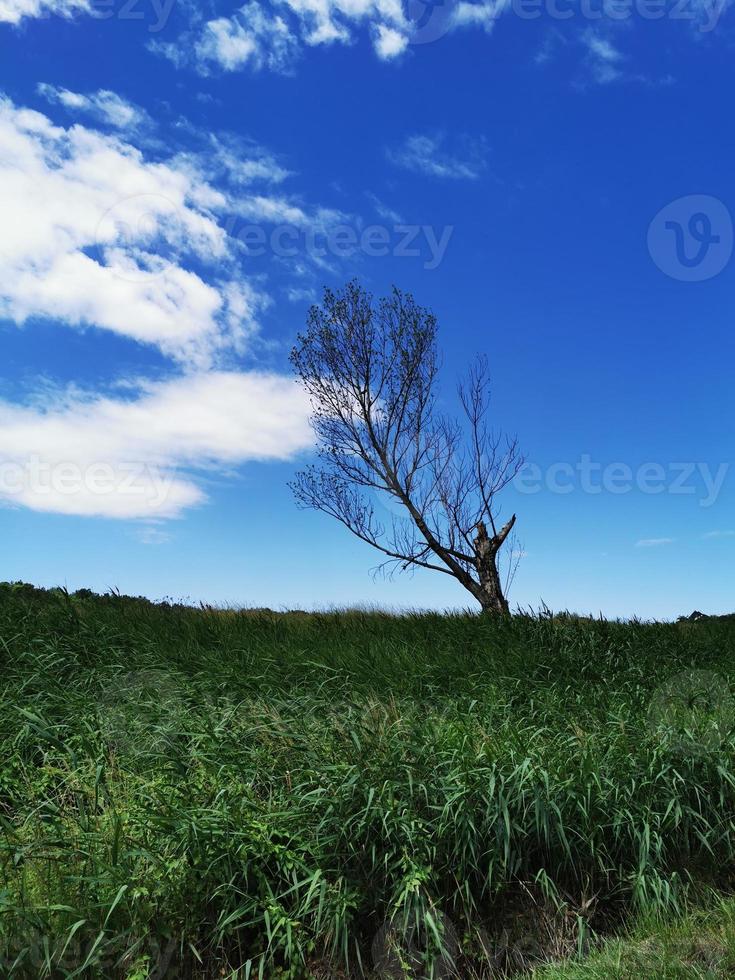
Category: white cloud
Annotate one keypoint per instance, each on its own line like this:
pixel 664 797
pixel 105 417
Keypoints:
pixel 603 63
pixel 98 234
pixel 14 11
pixel 149 534
pixel 601 48
pixel 389 42
pixel 422 153
pixel 653 542
pixel 384 211
pixel 327 21
pixel 143 456
pixel 301 295
pixel 603 58
pixel 483 14
pixel 710 535
pixel 104 106
pixel 244 162
pixel 273 35
pixel 93 234
pixel 552 43
pixel 249 37
pixel 282 210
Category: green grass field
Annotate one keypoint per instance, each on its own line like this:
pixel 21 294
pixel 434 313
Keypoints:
pixel 202 793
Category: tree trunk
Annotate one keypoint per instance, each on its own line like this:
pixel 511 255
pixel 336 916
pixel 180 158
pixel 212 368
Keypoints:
pixel 491 596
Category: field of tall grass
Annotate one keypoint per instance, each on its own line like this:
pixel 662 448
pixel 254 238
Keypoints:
pixel 205 793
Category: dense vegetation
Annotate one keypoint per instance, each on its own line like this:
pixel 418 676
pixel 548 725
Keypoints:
pixel 194 792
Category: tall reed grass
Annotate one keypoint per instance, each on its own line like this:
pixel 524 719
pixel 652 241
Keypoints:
pixel 202 793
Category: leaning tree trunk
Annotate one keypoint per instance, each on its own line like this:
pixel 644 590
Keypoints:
pixel 491 596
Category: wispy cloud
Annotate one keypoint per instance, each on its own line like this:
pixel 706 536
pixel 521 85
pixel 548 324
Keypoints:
pixel 478 14
pixel 654 542
pixel 383 210
pixel 227 160
pixel 603 63
pixel 103 106
pixel 427 154
pixel 243 161
pixel 552 43
pixel 297 294
pixel 14 11
pixel 251 37
pixel 718 534
pixel 273 35
pixel 152 535
pixel 603 58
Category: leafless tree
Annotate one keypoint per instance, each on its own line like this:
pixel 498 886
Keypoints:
pixel 371 370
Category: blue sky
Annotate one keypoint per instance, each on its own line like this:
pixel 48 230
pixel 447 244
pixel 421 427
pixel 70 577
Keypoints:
pixel 178 183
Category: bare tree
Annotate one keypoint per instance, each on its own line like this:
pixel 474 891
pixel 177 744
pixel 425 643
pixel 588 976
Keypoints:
pixel 370 370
